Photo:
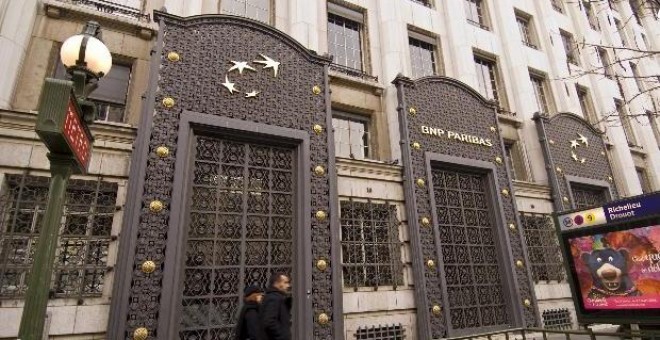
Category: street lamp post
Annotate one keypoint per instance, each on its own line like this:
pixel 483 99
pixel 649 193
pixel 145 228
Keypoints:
pixel 64 113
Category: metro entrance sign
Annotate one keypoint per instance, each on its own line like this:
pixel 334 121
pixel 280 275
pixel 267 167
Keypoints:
pixel 60 125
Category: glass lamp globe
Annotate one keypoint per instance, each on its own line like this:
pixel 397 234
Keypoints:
pixel 97 55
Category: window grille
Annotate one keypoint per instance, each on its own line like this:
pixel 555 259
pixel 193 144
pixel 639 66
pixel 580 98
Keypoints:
pixel 391 332
pixel 587 196
pixel 345 41
pixel 543 249
pixel 84 238
pixel 524 27
pixel 371 250
pixel 557 319
pixel 253 9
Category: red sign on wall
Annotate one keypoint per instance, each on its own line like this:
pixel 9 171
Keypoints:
pixel 76 136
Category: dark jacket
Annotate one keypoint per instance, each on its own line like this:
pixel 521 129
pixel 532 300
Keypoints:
pixel 248 322
pixel 275 315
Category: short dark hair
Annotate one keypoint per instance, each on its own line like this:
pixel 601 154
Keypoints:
pixel 276 277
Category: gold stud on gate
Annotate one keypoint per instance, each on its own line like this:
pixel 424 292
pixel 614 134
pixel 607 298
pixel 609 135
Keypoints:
pixel 527 303
pixel 412 111
pixel 316 89
pixel 416 145
pixel 609 178
pixel 148 267
pixel 156 206
pixel 493 129
pixel 551 142
pixel 320 215
pixel 319 171
pixel 565 199
pixel 425 221
pixel 173 57
pixel 498 160
pixel 430 264
pixel 505 192
pixel 420 183
pixel 321 265
pixel 436 310
pixel 519 264
pixel 323 319
pixel 140 334
pixel 512 227
pixel 558 170
pixel 162 151
pixel 168 102
pixel 318 129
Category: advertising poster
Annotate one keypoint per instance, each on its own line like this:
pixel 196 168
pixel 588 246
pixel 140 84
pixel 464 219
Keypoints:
pixel 618 270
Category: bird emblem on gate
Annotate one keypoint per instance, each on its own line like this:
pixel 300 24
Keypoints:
pixel 580 142
pixel 238 67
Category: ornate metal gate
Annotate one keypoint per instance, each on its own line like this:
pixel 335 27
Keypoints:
pixel 469 254
pixel 241 219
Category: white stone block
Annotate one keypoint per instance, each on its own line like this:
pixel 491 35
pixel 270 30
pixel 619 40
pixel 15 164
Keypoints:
pixel 91 319
pixel 63 320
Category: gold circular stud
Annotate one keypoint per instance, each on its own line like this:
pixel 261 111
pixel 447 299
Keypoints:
pixel 420 182
pixel 505 192
pixel 323 319
pixel 558 170
pixel 512 227
pixel 173 56
pixel 140 334
pixel 498 160
pixel 527 303
pixel 609 178
pixel 416 146
pixel 318 129
pixel 565 199
pixel 156 206
pixel 148 267
pixel 425 221
pixel 430 264
pixel 436 310
pixel 412 111
pixel 319 171
pixel 602 153
pixel 552 142
pixel 519 264
pixel 320 215
pixel 168 102
pixel 316 89
pixel 493 129
pixel 162 151
pixel 321 265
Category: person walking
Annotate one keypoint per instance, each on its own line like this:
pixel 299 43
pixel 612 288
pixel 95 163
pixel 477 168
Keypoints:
pixel 275 311
pixel 248 326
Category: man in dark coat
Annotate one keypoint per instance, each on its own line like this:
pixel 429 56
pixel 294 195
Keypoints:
pixel 275 311
pixel 248 327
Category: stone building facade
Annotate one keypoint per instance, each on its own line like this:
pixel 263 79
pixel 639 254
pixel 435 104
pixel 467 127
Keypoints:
pixel 500 64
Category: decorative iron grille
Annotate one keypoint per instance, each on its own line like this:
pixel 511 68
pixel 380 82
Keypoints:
pixel 371 249
pixel 110 7
pixel 390 332
pixel 241 218
pixel 82 253
pixel 557 319
pixel 469 253
pixel 542 247
pixel 585 196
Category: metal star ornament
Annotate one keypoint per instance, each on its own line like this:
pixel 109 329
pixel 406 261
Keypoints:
pixel 583 160
pixel 574 144
pixel 583 140
pixel 229 85
pixel 252 94
pixel 240 66
pixel 574 156
pixel 269 63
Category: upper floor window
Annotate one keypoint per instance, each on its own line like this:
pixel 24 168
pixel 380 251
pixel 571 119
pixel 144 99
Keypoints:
pixel 488 79
pixel 585 104
pixel 591 15
pixel 253 9
pixel 605 63
pixel 475 11
pixel 570 48
pixel 541 92
pixel 556 5
pixel 524 22
pixel 81 259
pixel 345 41
pixel 636 8
pixel 514 157
pixel 625 122
pixel 639 80
pixel 351 135
pixel 621 32
pixel 371 249
pixel 612 5
pixel 422 56
pixel 426 3
pixel 110 96
pixel 644 181
pixel 655 124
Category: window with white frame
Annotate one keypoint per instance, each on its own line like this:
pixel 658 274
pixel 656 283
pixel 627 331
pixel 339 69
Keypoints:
pixel 605 62
pixel 591 15
pixel 422 55
pixel 515 159
pixel 621 32
pixel 475 11
pixel 488 80
pixel 639 80
pixel 586 104
pixel 541 92
pixel 655 124
pixel 570 48
pixel 525 29
pixel 644 181
pixel 351 135
pixel 345 36
pixel 254 9
pixel 626 123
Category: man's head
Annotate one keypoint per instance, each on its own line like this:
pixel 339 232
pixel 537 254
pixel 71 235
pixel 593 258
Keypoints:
pixel 253 294
pixel 280 281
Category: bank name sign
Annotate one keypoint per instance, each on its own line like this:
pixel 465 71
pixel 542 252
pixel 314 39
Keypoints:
pixel 456 136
